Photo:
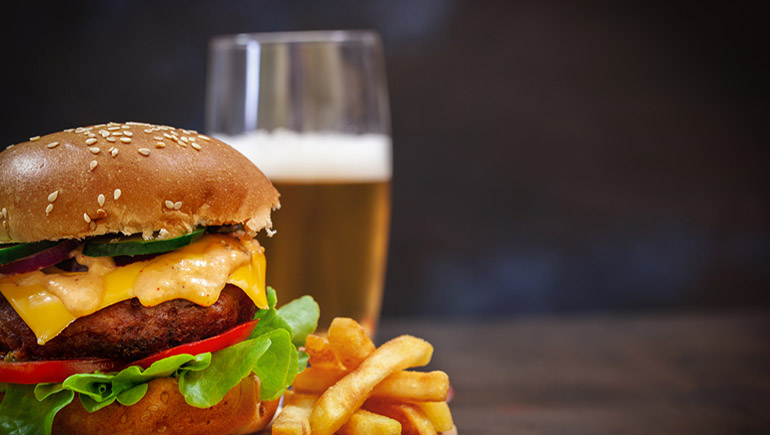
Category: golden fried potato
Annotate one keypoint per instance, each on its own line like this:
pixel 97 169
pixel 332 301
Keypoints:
pixel 321 353
pixel 349 342
pixel 337 404
pixel 363 422
pixel 438 413
pixel 413 420
pixel 294 418
pixel 407 386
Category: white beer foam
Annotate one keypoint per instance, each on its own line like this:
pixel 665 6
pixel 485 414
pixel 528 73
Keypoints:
pixel 289 156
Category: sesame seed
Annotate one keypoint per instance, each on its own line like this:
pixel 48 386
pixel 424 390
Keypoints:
pixel 116 194
pixel 100 200
pixel 204 137
pixel 34 138
pixel 125 127
pixel 104 133
pixel 148 130
pixel 94 150
pixel 93 165
pixel 80 130
pixel 169 204
pixel 53 195
pixel 69 130
pixel 125 139
pixel 91 141
pixel 128 133
pixel 113 127
pixel 117 133
pixel 48 209
pixel 196 146
pixel 112 139
pixel 144 151
pixel 53 145
pixel 86 218
pixel 177 205
pixel 160 145
pixel 185 139
pixel 167 136
pixel 158 137
pixel 9 147
pixel 114 152
pixel 5 213
pixel 100 213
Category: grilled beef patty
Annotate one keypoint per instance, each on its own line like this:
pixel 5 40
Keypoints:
pixel 127 330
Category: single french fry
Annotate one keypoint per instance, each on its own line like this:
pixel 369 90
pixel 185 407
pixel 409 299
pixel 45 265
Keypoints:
pixel 405 385
pixel 369 423
pixel 349 341
pixel 294 418
pixel 413 420
pixel 438 413
pixel 337 404
pixel 414 386
pixel 320 352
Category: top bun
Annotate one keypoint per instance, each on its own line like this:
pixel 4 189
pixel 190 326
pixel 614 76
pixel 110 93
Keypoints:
pixel 128 178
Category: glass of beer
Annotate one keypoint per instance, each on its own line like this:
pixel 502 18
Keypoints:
pixel 311 110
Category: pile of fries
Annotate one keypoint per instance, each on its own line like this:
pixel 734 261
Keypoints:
pixel 352 387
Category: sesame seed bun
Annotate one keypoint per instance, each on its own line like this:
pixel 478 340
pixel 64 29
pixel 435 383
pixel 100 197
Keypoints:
pixel 128 178
pixel 163 410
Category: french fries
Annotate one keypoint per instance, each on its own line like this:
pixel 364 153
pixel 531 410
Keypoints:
pixel 405 385
pixel 365 422
pixel 349 342
pixel 294 418
pixel 413 420
pixel 321 353
pixel 352 387
pixel 438 413
pixel 336 404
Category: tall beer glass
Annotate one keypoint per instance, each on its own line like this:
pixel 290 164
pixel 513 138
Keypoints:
pixel 311 110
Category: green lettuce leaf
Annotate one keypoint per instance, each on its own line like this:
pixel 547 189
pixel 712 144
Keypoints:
pixel 270 352
pixel 21 413
pixel 302 316
pixel 207 387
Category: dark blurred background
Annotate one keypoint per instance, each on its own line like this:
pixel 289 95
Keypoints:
pixel 550 157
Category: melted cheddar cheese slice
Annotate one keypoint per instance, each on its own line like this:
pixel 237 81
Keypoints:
pixel 49 301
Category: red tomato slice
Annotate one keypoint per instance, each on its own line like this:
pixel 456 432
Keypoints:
pixel 34 372
pixel 211 344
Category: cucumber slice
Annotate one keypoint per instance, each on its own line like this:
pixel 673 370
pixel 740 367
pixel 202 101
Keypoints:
pixel 136 245
pixel 13 252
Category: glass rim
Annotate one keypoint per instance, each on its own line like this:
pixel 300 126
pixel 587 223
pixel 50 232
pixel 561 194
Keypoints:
pixel 295 37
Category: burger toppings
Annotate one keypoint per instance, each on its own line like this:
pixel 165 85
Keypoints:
pixel 269 351
pixel 136 245
pixel 34 372
pixel 9 253
pixel 47 257
pixel 49 300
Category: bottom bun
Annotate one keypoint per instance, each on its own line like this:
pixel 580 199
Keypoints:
pixel 163 410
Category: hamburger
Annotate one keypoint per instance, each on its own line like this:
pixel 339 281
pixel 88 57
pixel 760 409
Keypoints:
pixel 132 286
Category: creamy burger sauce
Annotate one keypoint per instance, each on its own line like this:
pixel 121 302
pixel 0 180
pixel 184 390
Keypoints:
pixel 49 301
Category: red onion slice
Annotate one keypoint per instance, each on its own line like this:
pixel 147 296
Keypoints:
pixel 44 258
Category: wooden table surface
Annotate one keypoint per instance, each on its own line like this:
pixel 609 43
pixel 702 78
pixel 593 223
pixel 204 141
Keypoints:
pixel 693 373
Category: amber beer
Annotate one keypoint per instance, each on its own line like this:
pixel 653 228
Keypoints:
pixel 332 227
